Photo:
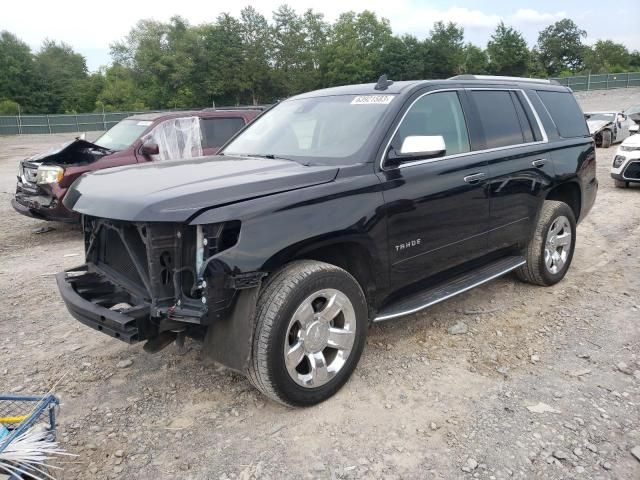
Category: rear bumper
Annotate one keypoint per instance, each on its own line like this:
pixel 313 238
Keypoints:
pixel 85 293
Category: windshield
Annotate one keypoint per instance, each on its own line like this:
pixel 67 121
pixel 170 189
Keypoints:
pixel 123 134
pixel 318 128
pixel 601 116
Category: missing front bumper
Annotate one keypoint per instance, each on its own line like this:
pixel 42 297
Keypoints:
pixel 100 304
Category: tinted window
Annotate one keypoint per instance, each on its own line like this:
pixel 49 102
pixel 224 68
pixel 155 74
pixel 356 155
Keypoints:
pixel 499 118
pixel 525 124
pixel 565 112
pixel 216 131
pixel 436 114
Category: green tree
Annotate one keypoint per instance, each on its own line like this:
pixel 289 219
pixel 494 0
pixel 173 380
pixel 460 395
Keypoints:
pixel 316 31
pixel 257 51
pixel 634 60
pixel 475 60
pixel 120 92
pixel 9 107
pixel 560 47
pixel 444 51
pixel 508 52
pixel 607 56
pixel 17 71
pixel 223 65
pixel 354 50
pixel 402 58
pixel 60 73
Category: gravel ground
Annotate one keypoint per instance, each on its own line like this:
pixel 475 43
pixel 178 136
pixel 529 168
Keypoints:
pixel 545 383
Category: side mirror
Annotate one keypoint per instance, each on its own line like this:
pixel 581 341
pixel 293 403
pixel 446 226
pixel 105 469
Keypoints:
pixel 150 148
pixel 418 147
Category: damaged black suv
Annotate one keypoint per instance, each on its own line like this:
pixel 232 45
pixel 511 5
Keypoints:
pixel 334 209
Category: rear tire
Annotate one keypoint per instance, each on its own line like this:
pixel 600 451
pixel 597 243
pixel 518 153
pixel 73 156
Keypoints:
pixel 620 184
pixel 550 251
pixel 606 139
pixel 303 351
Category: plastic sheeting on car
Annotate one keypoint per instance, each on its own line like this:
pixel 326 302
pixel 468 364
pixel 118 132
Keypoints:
pixel 177 139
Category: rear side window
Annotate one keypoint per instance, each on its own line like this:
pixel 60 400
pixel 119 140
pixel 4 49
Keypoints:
pixel 499 118
pixel 565 112
pixel 216 131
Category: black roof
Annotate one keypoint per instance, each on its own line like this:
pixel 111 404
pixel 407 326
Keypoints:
pixel 408 86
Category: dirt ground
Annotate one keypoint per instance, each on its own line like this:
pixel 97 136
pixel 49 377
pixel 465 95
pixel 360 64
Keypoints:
pixel 544 384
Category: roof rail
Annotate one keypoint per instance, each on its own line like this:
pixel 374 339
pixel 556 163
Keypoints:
pixel 242 107
pixel 504 79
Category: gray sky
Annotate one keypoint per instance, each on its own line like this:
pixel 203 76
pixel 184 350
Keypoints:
pixel 91 27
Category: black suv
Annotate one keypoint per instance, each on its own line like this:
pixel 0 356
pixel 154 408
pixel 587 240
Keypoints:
pixel 334 209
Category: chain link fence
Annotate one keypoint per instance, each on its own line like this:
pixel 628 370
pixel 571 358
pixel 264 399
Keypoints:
pixel 82 122
pixel 603 81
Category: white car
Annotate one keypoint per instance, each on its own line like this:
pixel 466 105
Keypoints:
pixel 608 128
pixel 626 164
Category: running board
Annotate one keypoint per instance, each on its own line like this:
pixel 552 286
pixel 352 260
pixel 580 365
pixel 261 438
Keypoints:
pixel 421 300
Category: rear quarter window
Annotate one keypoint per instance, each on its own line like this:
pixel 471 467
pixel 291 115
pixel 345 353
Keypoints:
pixel 565 112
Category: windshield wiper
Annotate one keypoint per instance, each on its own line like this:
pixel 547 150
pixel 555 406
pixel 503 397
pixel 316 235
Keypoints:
pixel 270 156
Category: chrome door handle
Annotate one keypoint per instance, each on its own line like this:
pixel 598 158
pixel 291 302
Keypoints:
pixel 475 178
pixel 539 163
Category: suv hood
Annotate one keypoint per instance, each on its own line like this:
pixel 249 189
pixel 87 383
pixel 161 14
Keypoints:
pixel 176 190
pixel 75 152
pixel 632 141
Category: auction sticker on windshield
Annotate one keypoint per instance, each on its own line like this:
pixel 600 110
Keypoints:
pixel 372 100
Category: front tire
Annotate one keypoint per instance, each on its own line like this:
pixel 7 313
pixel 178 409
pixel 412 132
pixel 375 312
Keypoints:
pixel 606 139
pixel 311 325
pixel 550 251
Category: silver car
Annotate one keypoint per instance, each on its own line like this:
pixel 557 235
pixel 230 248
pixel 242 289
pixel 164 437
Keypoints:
pixel 608 128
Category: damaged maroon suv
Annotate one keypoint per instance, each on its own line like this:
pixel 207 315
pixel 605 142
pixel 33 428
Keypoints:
pixel 43 179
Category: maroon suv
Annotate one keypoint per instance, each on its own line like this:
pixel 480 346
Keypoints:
pixel 43 179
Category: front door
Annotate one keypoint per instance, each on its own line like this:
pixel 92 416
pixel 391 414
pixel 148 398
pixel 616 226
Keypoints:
pixel 437 209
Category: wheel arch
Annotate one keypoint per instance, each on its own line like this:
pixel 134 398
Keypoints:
pixel 569 193
pixel 351 254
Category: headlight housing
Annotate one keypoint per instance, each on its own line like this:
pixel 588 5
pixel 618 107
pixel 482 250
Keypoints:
pixel 49 174
pixel 624 148
pixel 618 160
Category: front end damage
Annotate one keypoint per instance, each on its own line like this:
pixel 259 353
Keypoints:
pixel 160 282
pixel 41 197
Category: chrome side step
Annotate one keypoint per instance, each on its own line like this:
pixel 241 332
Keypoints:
pixel 421 300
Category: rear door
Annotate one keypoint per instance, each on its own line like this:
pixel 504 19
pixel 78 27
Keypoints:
pixel 217 130
pixel 437 209
pixel 519 163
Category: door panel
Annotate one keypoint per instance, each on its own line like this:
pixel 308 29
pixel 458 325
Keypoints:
pixel 437 209
pixel 435 219
pixel 520 167
pixel 518 181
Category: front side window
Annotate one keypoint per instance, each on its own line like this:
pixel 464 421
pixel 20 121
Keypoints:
pixel 317 129
pixel 499 118
pixel 177 139
pixel 435 114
